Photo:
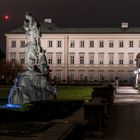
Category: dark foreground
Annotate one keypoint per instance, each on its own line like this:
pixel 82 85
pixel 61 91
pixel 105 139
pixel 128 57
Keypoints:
pixel 122 123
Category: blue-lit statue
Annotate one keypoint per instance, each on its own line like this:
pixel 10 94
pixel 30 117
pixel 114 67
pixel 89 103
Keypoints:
pixel 34 84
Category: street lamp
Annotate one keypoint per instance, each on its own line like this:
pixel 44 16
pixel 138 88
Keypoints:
pixel 135 72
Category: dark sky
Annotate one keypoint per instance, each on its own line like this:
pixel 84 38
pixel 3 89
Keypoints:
pixel 101 13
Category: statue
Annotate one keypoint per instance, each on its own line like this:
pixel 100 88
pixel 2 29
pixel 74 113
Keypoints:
pixel 137 61
pixel 33 40
pixel 34 84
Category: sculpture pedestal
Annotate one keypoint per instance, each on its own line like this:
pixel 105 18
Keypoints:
pixel 31 86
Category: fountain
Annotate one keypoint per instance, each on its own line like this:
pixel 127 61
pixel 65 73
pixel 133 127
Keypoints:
pixel 34 84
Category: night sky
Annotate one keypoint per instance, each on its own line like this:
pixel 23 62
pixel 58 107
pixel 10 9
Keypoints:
pixel 74 13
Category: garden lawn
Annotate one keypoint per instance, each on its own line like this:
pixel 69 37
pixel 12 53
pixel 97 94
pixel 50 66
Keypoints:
pixel 64 92
pixel 4 92
pixel 74 92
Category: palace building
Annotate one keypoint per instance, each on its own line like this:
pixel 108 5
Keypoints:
pixel 91 54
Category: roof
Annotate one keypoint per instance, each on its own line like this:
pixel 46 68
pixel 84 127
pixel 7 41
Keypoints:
pixel 51 28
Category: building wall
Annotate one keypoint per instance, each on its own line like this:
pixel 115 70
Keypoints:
pixel 77 71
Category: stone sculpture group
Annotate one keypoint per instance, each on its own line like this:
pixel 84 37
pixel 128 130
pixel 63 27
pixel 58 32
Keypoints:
pixel 34 84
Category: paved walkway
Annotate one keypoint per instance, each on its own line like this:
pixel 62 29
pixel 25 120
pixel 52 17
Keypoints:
pixel 124 122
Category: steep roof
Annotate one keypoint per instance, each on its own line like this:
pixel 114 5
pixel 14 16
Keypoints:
pixel 50 28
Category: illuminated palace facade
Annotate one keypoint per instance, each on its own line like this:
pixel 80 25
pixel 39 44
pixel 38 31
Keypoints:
pixel 78 54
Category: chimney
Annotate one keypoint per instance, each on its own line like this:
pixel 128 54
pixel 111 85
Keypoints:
pixel 124 25
pixel 48 20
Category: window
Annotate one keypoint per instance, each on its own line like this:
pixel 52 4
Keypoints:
pixel 91 58
pixel 58 58
pixel 22 57
pixel 72 58
pixel 13 61
pixel 49 57
pixel 101 58
pixel 59 44
pixel 121 75
pixel 22 44
pixel 130 58
pixel 58 75
pixel 82 44
pixel 101 75
pixel 91 75
pixel 111 44
pixel 111 58
pixel 13 44
pixel 71 75
pixel 50 43
pixel 81 59
pixel 111 75
pixel 13 57
pixel 72 44
pixel 91 44
pixel 49 61
pixel 130 62
pixel 121 44
pixel 121 58
pixel 22 61
pixel 101 44
pixel 120 61
pixel 81 55
pixel 81 75
pixel 131 44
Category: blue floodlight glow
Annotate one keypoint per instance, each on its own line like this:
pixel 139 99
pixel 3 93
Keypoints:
pixel 13 106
